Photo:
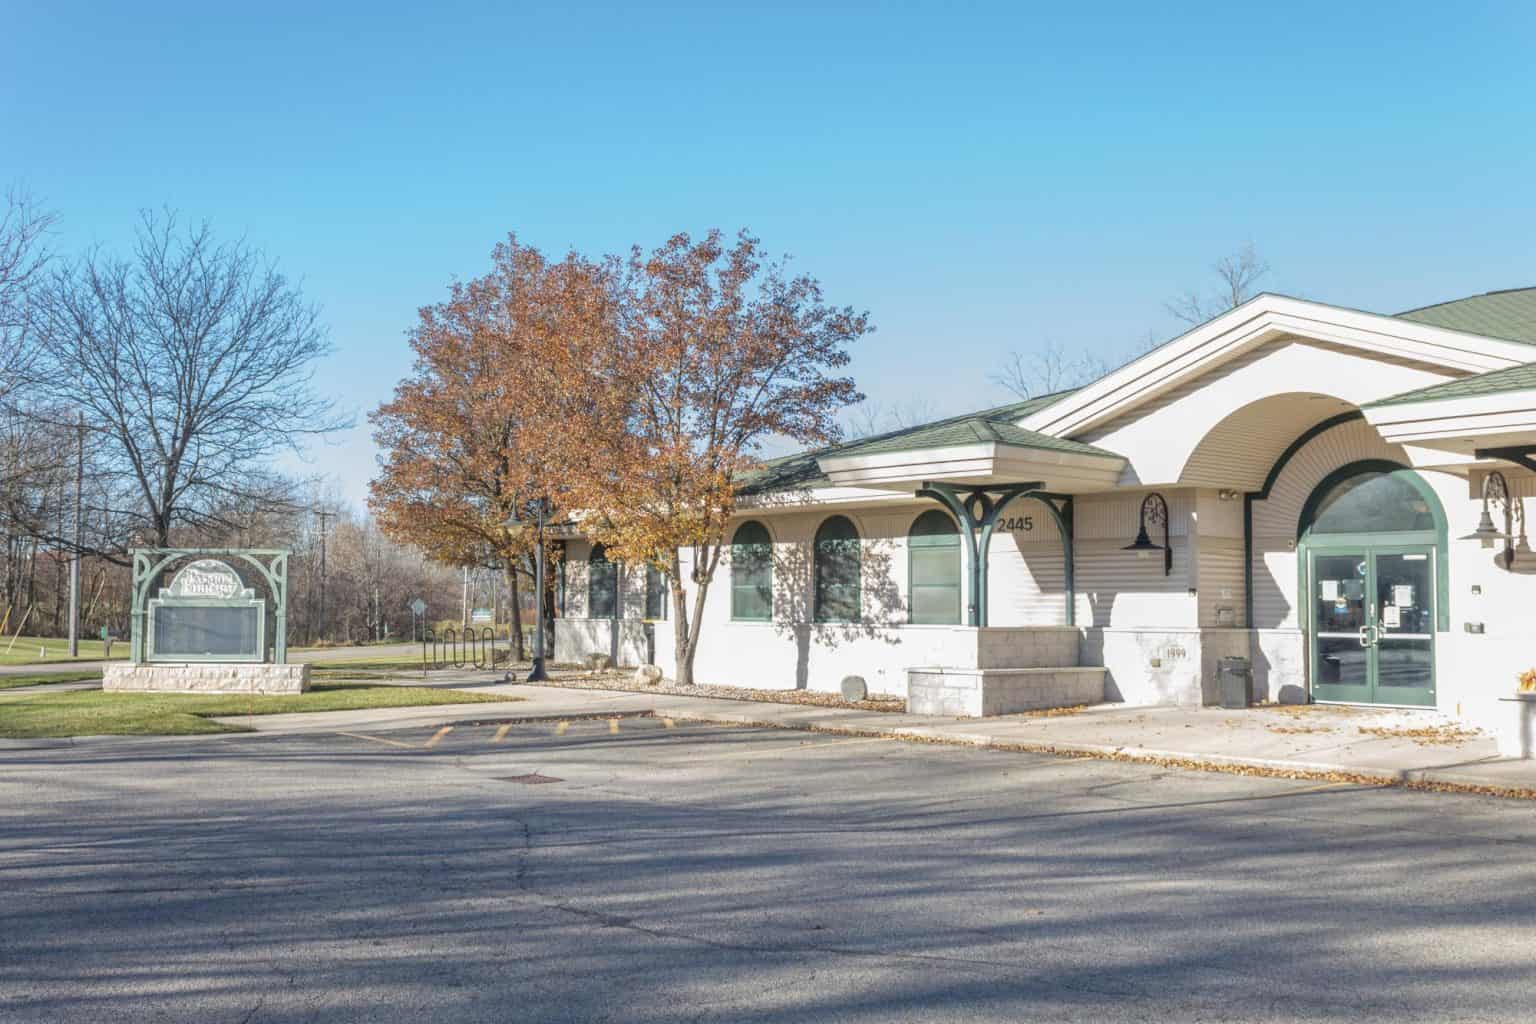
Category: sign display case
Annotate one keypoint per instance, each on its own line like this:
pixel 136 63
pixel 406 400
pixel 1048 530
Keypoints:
pixel 207 614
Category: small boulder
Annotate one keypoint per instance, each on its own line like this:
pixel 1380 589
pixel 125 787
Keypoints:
pixel 647 675
pixel 854 688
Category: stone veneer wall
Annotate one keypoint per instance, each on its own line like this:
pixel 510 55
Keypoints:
pixel 977 693
pixel 1027 646
pixel 206 677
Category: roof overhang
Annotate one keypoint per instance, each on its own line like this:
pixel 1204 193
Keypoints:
pixel 987 462
pixel 1256 322
pixel 1461 425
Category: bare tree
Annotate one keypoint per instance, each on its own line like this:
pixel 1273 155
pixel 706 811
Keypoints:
pixel 24 257
pixel 1238 272
pixel 869 418
pixel 1048 369
pixel 193 359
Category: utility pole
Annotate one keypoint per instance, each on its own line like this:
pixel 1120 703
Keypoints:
pixel 74 563
pixel 323 516
pixel 464 611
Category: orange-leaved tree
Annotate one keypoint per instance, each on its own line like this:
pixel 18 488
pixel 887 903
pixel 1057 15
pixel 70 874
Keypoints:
pixel 712 351
pixel 454 470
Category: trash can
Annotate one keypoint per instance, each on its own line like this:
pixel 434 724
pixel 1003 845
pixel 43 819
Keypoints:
pixel 1234 678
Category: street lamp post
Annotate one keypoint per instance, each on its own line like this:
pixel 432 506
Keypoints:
pixel 324 516
pixel 540 510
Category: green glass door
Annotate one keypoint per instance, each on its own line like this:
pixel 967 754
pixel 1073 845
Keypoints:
pixel 1373 624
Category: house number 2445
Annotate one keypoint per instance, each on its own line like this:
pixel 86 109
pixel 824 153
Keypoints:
pixel 1016 523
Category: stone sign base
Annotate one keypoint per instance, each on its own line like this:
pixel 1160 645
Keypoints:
pixel 206 677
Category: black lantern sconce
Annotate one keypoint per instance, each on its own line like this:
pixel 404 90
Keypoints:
pixel 1496 492
pixel 1154 511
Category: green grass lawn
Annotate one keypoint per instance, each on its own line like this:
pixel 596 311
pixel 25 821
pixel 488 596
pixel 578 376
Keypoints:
pixel 25 650
pixel 368 664
pixel 38 678
pixel 96 713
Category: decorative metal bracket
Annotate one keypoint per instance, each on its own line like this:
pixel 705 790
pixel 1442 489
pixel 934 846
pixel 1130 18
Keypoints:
pixel 1520 455
pixel 1496 494
pixel 1154 510
pixel 978 512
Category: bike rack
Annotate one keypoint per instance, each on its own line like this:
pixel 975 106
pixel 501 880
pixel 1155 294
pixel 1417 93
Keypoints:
pixel 470 649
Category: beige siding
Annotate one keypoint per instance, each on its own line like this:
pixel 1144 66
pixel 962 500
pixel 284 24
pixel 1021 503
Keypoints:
pixel 1028 584
pixel 631 583
pixel 1122 588
pixel 1220 581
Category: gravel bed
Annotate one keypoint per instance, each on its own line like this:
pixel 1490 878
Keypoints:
pixel 619 681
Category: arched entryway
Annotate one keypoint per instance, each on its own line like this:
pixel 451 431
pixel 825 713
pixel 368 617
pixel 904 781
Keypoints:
pixel 1372 540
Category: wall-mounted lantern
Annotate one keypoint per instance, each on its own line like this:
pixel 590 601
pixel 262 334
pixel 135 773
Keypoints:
pixel 1496 492
pixel 1154 511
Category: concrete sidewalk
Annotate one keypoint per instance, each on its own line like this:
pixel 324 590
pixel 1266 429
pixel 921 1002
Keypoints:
pixel 1357 744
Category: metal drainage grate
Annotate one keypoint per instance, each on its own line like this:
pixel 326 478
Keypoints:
pixel 534 779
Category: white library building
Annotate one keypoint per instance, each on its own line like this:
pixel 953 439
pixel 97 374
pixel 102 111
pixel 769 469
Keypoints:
pixel 1337 497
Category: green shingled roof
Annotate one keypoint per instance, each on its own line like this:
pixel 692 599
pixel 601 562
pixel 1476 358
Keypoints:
pixel 1494 382
pixel 996 424
pixel 1509 315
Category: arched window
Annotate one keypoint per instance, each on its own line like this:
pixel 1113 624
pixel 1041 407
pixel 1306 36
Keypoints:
pixel 837 571
pixel 752 573
pixel 1372 502
pixel 655 592
pixel 933 566
pixel 602 585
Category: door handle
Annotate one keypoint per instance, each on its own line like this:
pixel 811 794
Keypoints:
pixel 1369 636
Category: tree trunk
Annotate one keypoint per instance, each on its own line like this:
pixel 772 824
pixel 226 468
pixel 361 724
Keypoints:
pixel 516 628
pixel 687 628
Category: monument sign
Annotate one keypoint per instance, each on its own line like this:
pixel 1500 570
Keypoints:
pixel 206 631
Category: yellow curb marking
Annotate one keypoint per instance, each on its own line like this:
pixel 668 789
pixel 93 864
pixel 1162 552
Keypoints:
pixel 561 728
pixel 613 725
pixel 437 737
pixel 501 733
pixel 376 739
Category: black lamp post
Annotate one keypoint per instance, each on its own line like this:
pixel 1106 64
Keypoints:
pixel 539 508
pixel 1496 490
pixel 1154 511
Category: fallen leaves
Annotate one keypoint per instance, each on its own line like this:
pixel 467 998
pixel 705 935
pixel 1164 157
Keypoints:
pixel 1426 736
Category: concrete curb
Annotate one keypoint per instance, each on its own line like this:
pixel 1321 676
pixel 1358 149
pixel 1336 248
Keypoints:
pixel 1422 779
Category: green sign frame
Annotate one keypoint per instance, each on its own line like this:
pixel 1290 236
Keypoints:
pixel 149 564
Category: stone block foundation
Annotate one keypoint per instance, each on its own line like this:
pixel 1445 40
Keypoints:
pixel 980 693
pixel 206 677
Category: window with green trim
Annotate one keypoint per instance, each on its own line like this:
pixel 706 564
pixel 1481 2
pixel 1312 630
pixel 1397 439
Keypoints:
pixel 752 573
pixel 655 593
pixel 1373 502
pixel 837 563
pixel 933 570
pixel 602 585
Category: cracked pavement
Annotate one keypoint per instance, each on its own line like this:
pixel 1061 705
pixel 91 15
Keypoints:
pixel 711 873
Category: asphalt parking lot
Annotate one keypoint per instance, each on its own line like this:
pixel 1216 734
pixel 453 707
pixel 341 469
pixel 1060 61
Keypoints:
pixel 638 870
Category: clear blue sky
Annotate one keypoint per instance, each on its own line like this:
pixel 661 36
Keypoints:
pixel 980 177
